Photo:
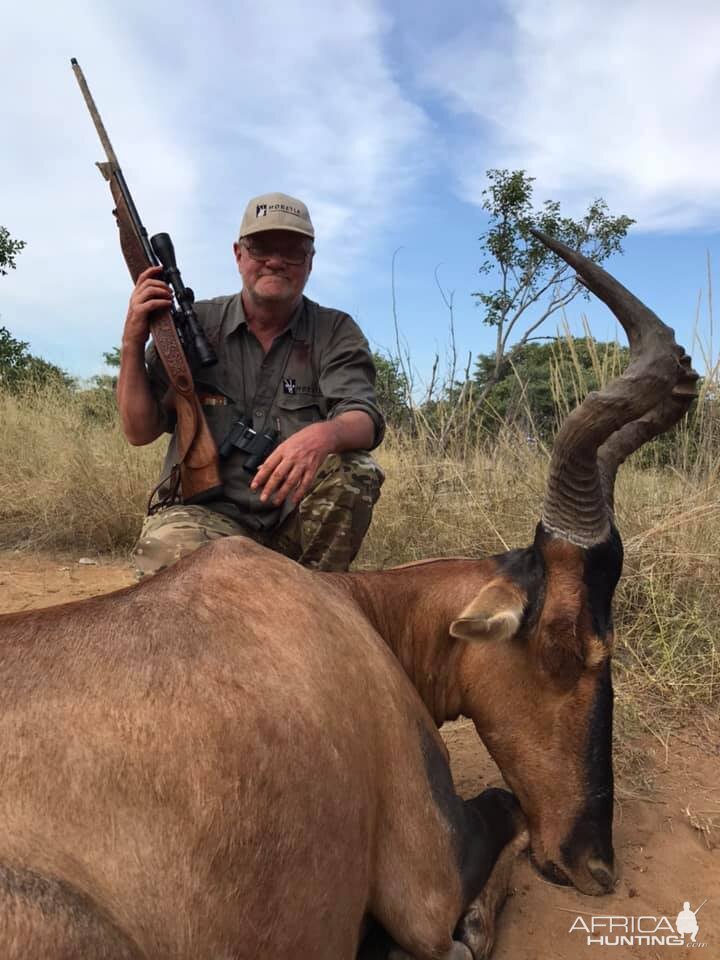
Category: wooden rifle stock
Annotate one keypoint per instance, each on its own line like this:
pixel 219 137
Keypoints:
pixel 197 452
pixel 196 448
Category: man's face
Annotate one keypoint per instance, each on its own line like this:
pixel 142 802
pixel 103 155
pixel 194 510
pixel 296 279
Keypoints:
pixel 274 265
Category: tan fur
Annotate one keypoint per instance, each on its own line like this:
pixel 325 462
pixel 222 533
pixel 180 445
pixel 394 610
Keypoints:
pixel 425 562
pixel 208 780
pixel 494 614
pixel 596 652
pixel 201 773
pixel 557 643
pixel 530 698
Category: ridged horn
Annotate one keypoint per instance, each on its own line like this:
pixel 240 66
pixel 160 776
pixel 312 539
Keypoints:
pixel 651 395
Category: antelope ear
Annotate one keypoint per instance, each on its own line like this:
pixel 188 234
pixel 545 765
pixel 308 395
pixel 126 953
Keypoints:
pixel 494 614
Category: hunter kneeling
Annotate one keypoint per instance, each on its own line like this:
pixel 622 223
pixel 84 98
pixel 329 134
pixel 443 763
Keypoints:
pixel 299 375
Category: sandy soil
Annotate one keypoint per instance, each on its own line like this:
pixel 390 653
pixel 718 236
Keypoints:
pixel 665 855
pixel 668 843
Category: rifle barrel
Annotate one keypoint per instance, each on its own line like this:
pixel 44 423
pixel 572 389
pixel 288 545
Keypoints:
pixel 191 334
pixel 114 165
pixel 95 114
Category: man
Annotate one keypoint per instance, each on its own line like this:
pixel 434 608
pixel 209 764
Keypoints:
pixel 285 364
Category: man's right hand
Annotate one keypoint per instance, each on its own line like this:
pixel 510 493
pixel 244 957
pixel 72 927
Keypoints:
pixel 150 293
pixel 140 414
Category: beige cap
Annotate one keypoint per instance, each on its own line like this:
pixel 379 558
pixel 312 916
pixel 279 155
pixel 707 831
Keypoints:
pixel 276 211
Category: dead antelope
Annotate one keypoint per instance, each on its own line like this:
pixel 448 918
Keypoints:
pixel 226 761
pixel 535 676
pixel 188 773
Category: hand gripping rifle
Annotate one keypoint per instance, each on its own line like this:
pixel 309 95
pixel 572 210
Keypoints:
pixel 178 337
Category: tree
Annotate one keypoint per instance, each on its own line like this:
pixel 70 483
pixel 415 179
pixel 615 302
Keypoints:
pixel 19 367
pixel 543 382
pixel 529 275
pixel 17 364
pixel 392 390
pixel 112 357
pixel 108 381
pixel 9 248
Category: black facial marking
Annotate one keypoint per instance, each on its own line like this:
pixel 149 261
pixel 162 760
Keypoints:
pixel 480 827
pixel 599 747
pixel 603 566
pixel 592 834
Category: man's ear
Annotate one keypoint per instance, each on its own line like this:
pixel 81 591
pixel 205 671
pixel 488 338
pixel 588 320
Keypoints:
pixel 495 613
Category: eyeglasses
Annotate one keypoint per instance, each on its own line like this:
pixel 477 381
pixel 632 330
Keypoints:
pixel 293 253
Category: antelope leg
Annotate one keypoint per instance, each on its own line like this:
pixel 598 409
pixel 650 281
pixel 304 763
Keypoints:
pixel 476 928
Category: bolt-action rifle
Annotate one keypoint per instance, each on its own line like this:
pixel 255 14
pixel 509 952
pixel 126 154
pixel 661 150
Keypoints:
pixel 178 337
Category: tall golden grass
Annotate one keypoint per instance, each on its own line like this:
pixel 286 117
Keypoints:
pixel 70 481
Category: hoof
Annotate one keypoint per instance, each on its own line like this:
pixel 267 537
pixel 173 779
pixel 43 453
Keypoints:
pixel 477 933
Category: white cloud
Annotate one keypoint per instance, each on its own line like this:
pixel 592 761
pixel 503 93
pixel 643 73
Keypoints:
pixel 204 110
pixel 308 105
pixel 208 105
pixel 614 99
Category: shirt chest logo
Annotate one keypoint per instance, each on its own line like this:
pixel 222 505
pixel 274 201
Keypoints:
pixel 292 387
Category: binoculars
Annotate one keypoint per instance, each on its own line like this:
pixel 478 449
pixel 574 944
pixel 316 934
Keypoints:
pixel 257 447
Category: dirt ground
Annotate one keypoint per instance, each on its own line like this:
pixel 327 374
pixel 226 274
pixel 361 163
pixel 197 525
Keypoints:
pixel 667 840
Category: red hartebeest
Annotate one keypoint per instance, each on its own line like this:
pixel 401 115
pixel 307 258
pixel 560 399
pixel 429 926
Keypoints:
pixel 189 774
pixel 227 761
pixel 538 683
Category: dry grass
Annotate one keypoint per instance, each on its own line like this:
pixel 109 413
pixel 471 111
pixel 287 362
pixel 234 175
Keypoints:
pixel 71 481
pixel 668 645
pixel 66 481
pixel 707 824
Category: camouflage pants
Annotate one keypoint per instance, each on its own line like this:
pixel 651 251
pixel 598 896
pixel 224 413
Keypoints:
pixel 324 532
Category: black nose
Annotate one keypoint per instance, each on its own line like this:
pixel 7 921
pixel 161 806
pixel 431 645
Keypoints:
pixel 552 872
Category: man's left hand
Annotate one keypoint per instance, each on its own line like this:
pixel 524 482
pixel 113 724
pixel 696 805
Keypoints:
pixel 291 468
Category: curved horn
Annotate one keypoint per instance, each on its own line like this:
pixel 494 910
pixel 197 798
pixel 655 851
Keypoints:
pixel 619 418
pixel 618 447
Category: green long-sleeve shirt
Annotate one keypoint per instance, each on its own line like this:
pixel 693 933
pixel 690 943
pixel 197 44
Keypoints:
pixel 318 368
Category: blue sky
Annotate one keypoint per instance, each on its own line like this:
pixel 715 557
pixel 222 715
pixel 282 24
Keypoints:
pixel 383 118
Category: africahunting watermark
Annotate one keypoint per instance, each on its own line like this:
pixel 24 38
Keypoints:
pixel 642 931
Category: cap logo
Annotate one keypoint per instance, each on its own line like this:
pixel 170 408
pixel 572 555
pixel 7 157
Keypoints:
pixel 275 211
